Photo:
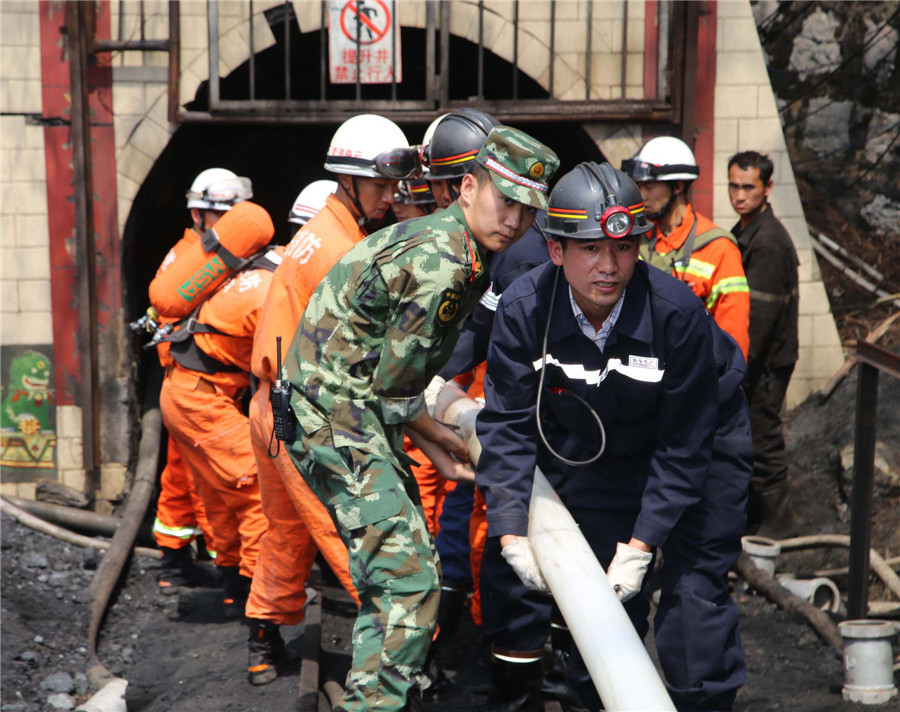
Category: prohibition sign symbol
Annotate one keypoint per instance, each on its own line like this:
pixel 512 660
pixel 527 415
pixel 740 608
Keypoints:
pixel 371 18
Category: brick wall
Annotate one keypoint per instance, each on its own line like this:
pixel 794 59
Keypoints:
pixel 25 308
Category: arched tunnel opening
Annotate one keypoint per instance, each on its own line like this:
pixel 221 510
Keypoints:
pixel 281 159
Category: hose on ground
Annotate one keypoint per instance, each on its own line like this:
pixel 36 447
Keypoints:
pixel 113 562
pixel 876 560
pixel 30 520
pixel 893 562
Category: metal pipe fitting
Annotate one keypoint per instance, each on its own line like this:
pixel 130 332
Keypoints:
pixel 868 662
pixel 763 551
pixel 820 592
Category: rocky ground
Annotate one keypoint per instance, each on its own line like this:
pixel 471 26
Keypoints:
pixel 181 655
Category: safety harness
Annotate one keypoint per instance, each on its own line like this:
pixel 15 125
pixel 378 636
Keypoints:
pixel 184 347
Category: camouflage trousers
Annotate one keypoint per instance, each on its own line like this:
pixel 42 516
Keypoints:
pixel 395 568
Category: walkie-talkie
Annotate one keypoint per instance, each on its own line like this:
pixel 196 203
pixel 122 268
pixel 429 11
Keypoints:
pixel 280 398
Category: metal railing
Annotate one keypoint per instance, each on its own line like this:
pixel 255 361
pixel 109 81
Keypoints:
pixel 442 63
pixel 872 359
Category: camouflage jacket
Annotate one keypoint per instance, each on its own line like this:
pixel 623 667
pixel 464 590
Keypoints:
pixel 380 326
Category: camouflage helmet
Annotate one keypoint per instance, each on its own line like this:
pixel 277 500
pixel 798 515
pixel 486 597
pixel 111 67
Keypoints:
pixel 450 152
pixel 520 166
pixel 593 202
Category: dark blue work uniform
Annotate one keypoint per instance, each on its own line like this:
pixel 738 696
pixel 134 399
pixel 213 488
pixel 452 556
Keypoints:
pixel 521 257
pixel 674 473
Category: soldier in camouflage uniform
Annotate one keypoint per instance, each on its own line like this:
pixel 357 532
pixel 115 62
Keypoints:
pixel 377 329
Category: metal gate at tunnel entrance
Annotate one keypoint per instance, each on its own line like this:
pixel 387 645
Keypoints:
pixel 520 61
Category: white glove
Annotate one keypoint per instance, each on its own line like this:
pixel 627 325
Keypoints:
pixel 627 570
pixel 519 554
pixel 431 393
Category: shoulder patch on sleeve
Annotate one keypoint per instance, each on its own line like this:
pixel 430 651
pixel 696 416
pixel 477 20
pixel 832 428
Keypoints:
pixel 477 264
pixel 451 299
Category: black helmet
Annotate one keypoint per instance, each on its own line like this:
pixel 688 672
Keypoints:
pixel 456 140
pixel 594 201
pixel 415 191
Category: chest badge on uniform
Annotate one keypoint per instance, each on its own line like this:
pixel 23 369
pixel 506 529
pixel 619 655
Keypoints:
pixel 449 305
pixel 643 362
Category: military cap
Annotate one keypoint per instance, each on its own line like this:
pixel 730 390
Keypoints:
pixel 520 166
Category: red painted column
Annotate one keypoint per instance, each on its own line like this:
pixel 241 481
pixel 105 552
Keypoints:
pixel 704 108
pixel 651 48
pixel 60 193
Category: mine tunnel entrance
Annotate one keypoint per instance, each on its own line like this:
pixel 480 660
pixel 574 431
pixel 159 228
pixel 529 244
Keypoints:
pixel 280 159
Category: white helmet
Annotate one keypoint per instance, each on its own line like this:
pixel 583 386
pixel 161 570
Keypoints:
pixel 218 189
pixel 311 200
pixel 662 158
pixel 371 146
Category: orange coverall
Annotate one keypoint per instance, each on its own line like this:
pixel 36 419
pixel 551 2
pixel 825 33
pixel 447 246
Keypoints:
pixel 299 524
pixel 715 274
pixel 179 509
pixel 203 411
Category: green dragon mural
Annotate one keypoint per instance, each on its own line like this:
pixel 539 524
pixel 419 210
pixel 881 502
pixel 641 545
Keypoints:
pixel 26 425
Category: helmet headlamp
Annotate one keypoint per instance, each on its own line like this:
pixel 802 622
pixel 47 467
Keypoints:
pixel 616 221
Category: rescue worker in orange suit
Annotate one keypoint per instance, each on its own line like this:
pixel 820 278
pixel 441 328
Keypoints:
pixel 684 242
pixel 368 154
pixel 202 395
pixel 180 514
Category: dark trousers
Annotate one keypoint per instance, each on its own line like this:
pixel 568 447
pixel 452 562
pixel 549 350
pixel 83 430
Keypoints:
pixel 766 398
pixel 452 541
pixel 696 625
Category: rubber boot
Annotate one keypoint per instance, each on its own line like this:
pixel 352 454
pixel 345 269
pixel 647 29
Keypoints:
pixel 266 651
pixel 556 683
pixel 450 612
pixel 237 590
pixel 778 520
pixel 516 686
pixel 178 569
pixel 442 655
pixel 414 701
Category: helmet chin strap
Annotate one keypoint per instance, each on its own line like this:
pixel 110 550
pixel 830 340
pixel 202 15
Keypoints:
pixel 364 221
pixel 664 210
pixel 353 196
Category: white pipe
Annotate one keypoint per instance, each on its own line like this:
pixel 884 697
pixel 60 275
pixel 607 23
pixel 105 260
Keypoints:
pixel 615 656
pixel 763 551
pixel 109 698
pixel 868 669
pixel 820 592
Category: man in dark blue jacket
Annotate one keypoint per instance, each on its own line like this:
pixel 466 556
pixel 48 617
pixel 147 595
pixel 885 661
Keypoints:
pixel 596 338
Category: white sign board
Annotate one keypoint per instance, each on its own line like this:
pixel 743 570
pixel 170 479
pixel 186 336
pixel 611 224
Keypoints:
pixel 371 27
